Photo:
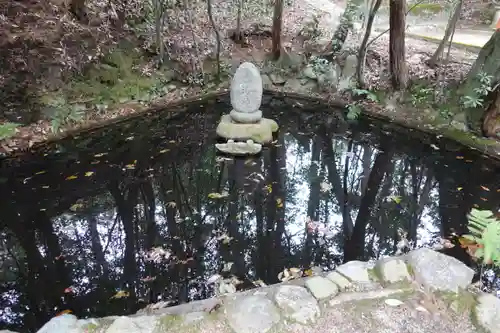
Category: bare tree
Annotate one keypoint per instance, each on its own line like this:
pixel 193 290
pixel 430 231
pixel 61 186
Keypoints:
pixel 159 7
pixel 450 28
pixel 398 69
pixel 375 5
pixel 237 33
pixel 217 37
pixel 276 33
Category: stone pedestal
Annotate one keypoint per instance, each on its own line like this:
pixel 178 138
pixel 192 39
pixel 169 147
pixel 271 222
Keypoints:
pixel 244 127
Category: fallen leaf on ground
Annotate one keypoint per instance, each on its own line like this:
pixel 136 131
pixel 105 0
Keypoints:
pixel 393 302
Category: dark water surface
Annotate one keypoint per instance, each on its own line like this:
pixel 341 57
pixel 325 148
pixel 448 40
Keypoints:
pixel 79 217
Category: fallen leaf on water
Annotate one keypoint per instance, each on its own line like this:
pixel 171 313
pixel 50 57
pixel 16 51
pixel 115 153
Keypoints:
pixel 485 188
pixel 460 157
pixel 308 272
pixel 393 302
pixel 121 294
pixel 45 186
pixel 484 199
pixel 63 313
pixel 71 177
pixel 172 141
pixel 269 188
pixel 397 199
pixel 460 188
pixel 148 279
pixel 89 173
pixel 100 155
pixel 215 195
pixel 279 203
pixel 130 166
pixel 163 151
pixel 259 283
pixel 130 138
pixel 40 172
pixel 76 207
pixel 434 147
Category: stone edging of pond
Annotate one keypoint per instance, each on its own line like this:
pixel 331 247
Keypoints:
pixel 301 305
pixel 468 140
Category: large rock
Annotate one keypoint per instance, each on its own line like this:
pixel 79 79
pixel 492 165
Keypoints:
pixel 439 271
pixel 488 312
pixel 65 323
pixel 246 89
pixel 297 304
pixel 252 314
pixel 393 270
pixel 142 324
pixel 260 132
pixel 356 271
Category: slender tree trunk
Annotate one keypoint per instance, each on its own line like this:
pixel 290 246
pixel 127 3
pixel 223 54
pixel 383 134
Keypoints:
pixel 452 22
pixel 355 245
pixel 237 34
pixel 217 37
pixel 363 47
pixel 276 32
pixel 397 18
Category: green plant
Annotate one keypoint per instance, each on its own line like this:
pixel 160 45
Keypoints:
pixel 484 230
pixel 7 130
pixel 353 111
pixel 421 95
pixel 362 92
pixel 62 113
pixel 477 98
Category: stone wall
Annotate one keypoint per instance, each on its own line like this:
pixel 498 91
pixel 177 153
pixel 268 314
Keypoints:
pixel 422 291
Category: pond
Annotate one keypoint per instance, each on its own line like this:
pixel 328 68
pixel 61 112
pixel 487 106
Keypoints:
pixel 146 211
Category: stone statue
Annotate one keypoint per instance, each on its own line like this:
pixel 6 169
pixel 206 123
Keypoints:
pixel 244 127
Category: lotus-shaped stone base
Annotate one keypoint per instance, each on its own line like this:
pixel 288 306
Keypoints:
pixel 239 148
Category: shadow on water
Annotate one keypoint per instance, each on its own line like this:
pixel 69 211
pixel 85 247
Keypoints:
pixel 80 216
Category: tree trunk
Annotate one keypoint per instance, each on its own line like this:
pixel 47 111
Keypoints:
pixel 345 25
pixel 237 34
pixel 276 32
pixel 363 46
pixel 79 10
pixel 355 245
pixel 397 18
pixel 450 28
pixel 487 63
pixel 217 37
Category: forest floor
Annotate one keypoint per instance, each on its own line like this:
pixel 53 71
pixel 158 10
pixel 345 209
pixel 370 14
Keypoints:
pixel 194 55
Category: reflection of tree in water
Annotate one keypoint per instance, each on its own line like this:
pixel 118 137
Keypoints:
pixel 83 242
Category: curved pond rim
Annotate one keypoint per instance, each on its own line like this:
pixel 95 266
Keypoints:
pixel 177 109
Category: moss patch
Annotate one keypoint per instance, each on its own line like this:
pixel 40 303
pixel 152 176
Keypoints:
pixel 169 323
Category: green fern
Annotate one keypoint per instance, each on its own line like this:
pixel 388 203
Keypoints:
pixel 484 229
